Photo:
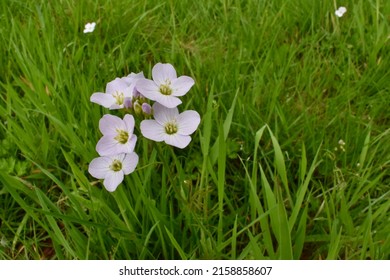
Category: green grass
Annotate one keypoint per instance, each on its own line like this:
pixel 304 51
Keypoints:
pixel 278 84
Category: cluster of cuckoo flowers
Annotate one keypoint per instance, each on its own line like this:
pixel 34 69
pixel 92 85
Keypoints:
pixel 155 102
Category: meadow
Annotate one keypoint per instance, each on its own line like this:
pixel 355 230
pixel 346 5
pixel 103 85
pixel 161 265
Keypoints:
pixel 290 161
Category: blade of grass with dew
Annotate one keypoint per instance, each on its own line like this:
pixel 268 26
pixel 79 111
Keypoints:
pixel 278 219
pixel 255 203
pixel 221 182
pixel 226 128
pixel 335 238
pixel 300 235
pixel 301 193
pixel 176 245
pixel 280 165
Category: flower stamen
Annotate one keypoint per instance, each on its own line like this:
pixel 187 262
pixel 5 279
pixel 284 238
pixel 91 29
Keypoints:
pixel 171 128
pixel 116 165
pixel 166 89
pixel 122 137
pixel 119 97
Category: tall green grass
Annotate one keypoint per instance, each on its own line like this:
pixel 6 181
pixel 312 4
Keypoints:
pixel 278 84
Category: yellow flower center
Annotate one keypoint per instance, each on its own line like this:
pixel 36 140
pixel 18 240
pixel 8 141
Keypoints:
pixel 171 128
pixel 116 165
pixel 122 136
pixel 119 97
pixel 166 88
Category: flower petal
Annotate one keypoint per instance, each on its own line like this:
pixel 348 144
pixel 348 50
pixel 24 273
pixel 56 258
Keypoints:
pixel 168 101
pixel 177 140
pixel 133 77
pixel 116 85
pixel 103 99
pixel 130 145
pixel 148 88
pixel 129 163
pixel 162 72
pixel 129 122
pixel 99 167
pixel 112 180
pixel 109 125
pixel 152 130
pixel 188 122
pixel 342 9
pixel 108 146
pixel 182 85
pixel 163 114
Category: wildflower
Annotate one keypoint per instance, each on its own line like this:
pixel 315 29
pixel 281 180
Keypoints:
pixel 170 126
pixel 113 168
pixel 341 145
pixel 118 135
pixel 118 94
pixel 89 27
pixel 131 81
pixel 340 11
pixel 165 87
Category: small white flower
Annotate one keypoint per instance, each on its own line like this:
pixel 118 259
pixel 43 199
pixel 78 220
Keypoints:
pixel 340 11
pixel 166 87
pixel 170 126
pixel 341 142
pixel 118 93
pixel 89 27
pixel 118 135
pixel 113 168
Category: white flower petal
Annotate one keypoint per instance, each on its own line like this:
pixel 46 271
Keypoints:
pixel 177 140
pixel 109 125
pixel 163 114
pixel 129 163
pixel 99 167
pixel 188 122
pixel 168 101
pixel 129 122
pixel 112 180
pixel 130 145
pixel 182 85
pixel 162 72
pixel 108 146
pixel 133 77
pixel 342 9
pixel 148 88
pixel 105 100
pixel 116 85
pixel 152 130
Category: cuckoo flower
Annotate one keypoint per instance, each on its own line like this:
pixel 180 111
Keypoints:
pixel 117 93
pixel 340 11
pixel 170 126
pixel 89 27
pixel 165 86
pixel 118 135
pixel 113 168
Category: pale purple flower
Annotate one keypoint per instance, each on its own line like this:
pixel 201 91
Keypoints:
pixel 117 92
pixel 131 81
pixel 165 86
pixel 89 27
pixel 113 168
pixel 170 126
pixel 118 135
pixel 340 11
